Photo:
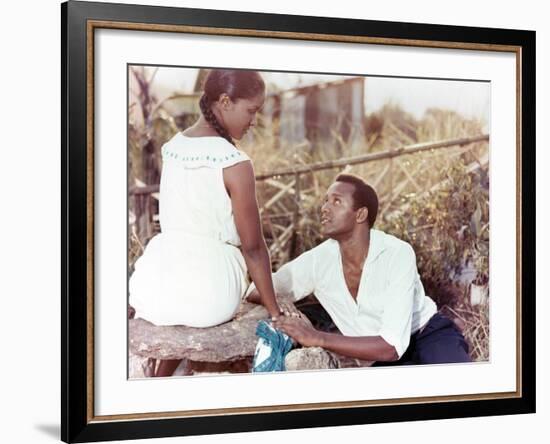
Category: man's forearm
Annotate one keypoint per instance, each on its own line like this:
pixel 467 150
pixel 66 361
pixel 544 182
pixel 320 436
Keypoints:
pixel 368 348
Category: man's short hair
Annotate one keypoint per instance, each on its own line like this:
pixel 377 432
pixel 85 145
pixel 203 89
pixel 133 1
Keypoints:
pixel 363 196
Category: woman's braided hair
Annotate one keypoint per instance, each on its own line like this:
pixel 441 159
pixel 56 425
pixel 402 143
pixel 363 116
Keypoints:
pixel 212 120
pixel 237 84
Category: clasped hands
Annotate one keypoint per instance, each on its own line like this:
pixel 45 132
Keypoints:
pixel 296 325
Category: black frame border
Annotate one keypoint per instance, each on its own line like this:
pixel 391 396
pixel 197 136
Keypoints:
pixel 76 426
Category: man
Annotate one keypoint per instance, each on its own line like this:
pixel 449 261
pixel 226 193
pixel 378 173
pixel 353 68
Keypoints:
pixel 367 281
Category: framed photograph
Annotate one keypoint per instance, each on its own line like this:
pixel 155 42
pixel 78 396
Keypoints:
pixel 437 120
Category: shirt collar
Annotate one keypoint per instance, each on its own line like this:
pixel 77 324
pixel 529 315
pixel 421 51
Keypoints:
pixel 376 246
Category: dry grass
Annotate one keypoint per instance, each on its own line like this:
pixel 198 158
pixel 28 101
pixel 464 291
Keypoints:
pixel 474 321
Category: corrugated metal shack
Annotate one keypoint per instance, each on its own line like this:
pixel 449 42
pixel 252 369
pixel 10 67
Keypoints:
pixel 315 112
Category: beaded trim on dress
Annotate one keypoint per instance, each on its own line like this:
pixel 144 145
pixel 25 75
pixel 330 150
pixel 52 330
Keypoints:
pixel 218 153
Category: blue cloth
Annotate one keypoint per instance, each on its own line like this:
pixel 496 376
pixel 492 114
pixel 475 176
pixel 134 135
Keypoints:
pixel 271 349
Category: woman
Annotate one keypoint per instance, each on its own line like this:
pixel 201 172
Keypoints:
pixel 193 272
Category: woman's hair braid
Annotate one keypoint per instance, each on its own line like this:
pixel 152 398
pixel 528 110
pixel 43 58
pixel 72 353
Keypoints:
pixel 204 104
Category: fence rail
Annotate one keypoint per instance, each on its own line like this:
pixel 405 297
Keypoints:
pixel 400 151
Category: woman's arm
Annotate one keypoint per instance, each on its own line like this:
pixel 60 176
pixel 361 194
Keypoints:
pixel 241 184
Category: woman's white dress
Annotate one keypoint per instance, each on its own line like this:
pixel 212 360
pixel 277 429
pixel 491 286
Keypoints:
pixel 192 273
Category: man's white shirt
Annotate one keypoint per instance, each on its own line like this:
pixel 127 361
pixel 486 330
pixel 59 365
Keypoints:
pixel 390 303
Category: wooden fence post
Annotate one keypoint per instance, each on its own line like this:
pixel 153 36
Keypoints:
pixel 295 218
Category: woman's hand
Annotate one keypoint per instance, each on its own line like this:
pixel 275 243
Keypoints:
pixel 286 306
pixel 289 309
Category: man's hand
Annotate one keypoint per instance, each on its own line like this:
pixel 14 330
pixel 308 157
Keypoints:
pixel 299 329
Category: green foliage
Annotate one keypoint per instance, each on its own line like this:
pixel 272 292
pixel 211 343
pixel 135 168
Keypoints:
pixel 448 227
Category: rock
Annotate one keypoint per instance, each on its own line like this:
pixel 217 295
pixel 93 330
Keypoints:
pixel 309 358
pixel 314 358
pixel 233 341
pixel 478 294
pixel 188 368
pixel 136 365
pixel 347 362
